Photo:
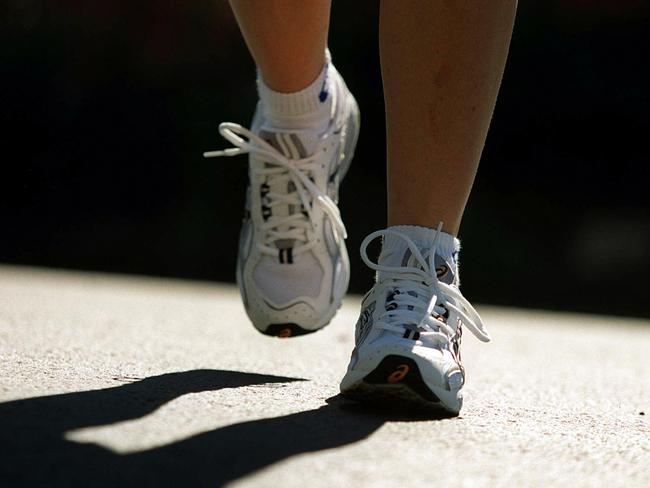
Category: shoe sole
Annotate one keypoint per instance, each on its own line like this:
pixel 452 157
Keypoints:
pixel 285 331
pixel 396 383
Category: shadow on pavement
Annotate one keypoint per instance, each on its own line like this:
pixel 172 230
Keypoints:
pixel 34 452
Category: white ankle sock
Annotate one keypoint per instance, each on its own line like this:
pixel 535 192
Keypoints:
pixel 395 248
pixel 307 109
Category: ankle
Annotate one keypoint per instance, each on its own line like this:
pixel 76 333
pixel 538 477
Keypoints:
pixel 395 250
pixel 308 108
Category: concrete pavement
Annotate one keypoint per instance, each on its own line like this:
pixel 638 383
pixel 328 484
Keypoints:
pixel 128 381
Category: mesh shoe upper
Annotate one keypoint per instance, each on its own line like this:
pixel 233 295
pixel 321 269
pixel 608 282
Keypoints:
pixel 293 265
pixel 421 299
pixel 415 310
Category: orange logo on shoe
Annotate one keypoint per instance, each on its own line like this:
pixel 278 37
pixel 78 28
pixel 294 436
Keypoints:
pixel 442 271
pixel 399 374
pixel 285 332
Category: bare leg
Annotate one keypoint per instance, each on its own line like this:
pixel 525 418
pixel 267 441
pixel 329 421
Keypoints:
pixel 287 39
pixel 442 64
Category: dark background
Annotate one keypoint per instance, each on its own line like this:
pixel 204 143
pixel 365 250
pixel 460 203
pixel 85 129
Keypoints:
pixel 107 106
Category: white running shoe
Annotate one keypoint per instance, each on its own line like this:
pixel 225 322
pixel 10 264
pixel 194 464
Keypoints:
pixel 293 268
pixel 408 335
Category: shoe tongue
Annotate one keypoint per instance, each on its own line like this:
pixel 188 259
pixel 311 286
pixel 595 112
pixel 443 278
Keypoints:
pixel 396 253
pixel 293 145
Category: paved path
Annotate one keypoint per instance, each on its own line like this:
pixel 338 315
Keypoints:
pixel 122 381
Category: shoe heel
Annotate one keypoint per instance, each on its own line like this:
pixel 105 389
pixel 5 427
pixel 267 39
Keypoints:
pixel 351 138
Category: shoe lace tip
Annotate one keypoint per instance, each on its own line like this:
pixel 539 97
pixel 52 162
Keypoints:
pixel 232 151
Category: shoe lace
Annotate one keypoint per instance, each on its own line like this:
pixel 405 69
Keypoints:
pixel 279 169
pixel 419 300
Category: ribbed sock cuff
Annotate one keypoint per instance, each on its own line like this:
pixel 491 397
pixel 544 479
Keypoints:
pixel 313 99
pixel 446 246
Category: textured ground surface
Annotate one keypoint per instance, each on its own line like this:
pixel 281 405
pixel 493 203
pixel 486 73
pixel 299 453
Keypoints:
pixel 127 381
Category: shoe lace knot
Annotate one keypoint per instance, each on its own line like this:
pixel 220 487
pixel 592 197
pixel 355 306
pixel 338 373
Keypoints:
pixel 298 225
pixel 417 301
